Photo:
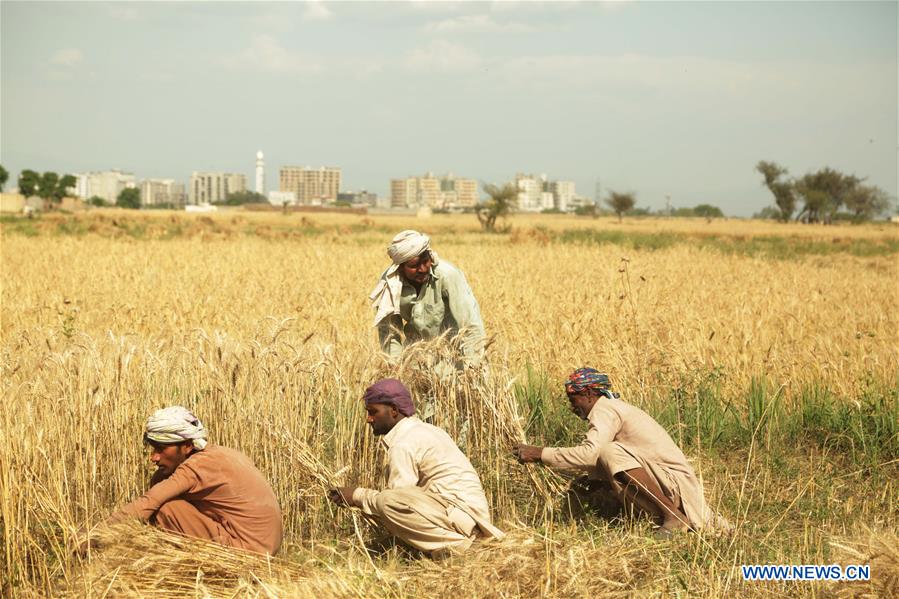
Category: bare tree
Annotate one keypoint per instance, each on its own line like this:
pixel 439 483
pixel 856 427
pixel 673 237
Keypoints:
pixel 621 202
pixel 501 204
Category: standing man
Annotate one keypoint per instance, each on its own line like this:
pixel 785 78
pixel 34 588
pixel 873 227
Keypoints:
pixel 434 500
pixel 422 297
pixel 204 490
pixel 631 452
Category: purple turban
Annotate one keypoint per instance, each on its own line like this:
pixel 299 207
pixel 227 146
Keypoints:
pixel 391 392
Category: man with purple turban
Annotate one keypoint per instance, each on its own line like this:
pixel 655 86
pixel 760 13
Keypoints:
pixel 628 451
pixel 204 490
pixel 434 500
pixel 421 297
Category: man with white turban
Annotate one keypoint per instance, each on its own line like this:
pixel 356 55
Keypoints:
pixel 423 297
pixel 204 490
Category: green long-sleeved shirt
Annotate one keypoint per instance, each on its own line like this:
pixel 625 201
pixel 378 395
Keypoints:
pixel 445 302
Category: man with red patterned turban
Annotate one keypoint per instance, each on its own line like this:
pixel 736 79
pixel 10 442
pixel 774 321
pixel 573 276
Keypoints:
pixel 632 453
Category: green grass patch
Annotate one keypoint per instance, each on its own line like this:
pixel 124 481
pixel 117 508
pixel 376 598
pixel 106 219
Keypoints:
pixel 784 248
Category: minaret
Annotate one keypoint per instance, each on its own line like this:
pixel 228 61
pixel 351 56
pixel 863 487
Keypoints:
pixel 260 173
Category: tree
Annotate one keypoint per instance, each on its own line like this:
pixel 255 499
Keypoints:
pixel 243 197
pixel 47 186
pixel 4 177
pixel 500 204
pixel 54 188
pixel 29 181
pixel 784 196
pixel 823 192
pixel 97 201
pixel 129 198
pixel 621 202
pixel 708 211
pixel 867 201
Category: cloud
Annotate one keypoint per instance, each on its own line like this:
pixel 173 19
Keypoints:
pixel 265 53
pixel 67 57
pixel 317 11
pixel 442 56
pixel 475 23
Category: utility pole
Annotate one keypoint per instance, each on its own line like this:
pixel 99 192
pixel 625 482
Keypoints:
pixel 597 194
pixel 668 205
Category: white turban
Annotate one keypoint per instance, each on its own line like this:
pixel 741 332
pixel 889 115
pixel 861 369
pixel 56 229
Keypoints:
pixel 386 295
pixel 175 424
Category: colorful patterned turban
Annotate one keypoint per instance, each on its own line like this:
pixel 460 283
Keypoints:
pixel 391 392
pixel 587 378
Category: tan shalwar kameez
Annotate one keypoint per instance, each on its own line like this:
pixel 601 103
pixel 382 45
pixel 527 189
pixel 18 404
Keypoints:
pixel 623 437
pixel 216 494
pixel 434 499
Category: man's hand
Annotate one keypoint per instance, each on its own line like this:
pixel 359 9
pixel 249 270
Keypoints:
pixel 527 453
pixel 342 496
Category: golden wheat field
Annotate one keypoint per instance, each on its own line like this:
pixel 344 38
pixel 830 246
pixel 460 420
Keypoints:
pixel 768 351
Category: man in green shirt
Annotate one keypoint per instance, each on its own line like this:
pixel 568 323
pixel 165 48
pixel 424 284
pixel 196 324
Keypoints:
pixel 420 297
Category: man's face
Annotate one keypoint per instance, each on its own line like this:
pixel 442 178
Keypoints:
pixel 382 417
pixel 581 403
pixel 168 456
pixel 417 270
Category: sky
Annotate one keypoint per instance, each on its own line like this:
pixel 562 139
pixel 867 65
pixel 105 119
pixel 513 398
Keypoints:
pixel 676 99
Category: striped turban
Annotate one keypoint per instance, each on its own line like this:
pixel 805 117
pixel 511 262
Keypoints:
pixel 391 392
pixel 174 425
pixel 385 297
pixel 583 379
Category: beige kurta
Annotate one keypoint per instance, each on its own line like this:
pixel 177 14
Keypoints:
pixel 216 494
pixel 623 437
pixel 434 498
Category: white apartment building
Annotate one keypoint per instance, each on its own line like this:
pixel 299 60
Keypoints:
pixel 537 193
pixel 563 194
pixel 282 198
pixel 531 197
pixel 157 192
pixel 104 184
pixel 210 187
pixel 443 192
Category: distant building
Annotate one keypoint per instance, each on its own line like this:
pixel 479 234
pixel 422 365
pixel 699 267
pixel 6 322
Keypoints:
pixel 160 192
pixel 260 173
pixel 312 186
pixel 563 194
pixel 443 192
pixel 537 193
pixel 530 192
pixel 104 184
pixel 210 187
pixel 282 198
pixel 579 202
pixel 359 198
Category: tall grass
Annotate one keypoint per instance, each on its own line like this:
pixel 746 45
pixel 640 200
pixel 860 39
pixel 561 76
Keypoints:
pixel 778 378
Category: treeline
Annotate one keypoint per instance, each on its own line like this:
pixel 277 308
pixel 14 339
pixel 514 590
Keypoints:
pixel 820 196
pixel 699 210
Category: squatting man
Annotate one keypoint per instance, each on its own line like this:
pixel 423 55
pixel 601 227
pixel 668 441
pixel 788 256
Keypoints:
pixel 434 500
pixel 631 454
pixel 203 490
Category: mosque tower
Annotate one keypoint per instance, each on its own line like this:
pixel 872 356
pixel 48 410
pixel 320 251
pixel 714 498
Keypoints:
pixel 260 173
